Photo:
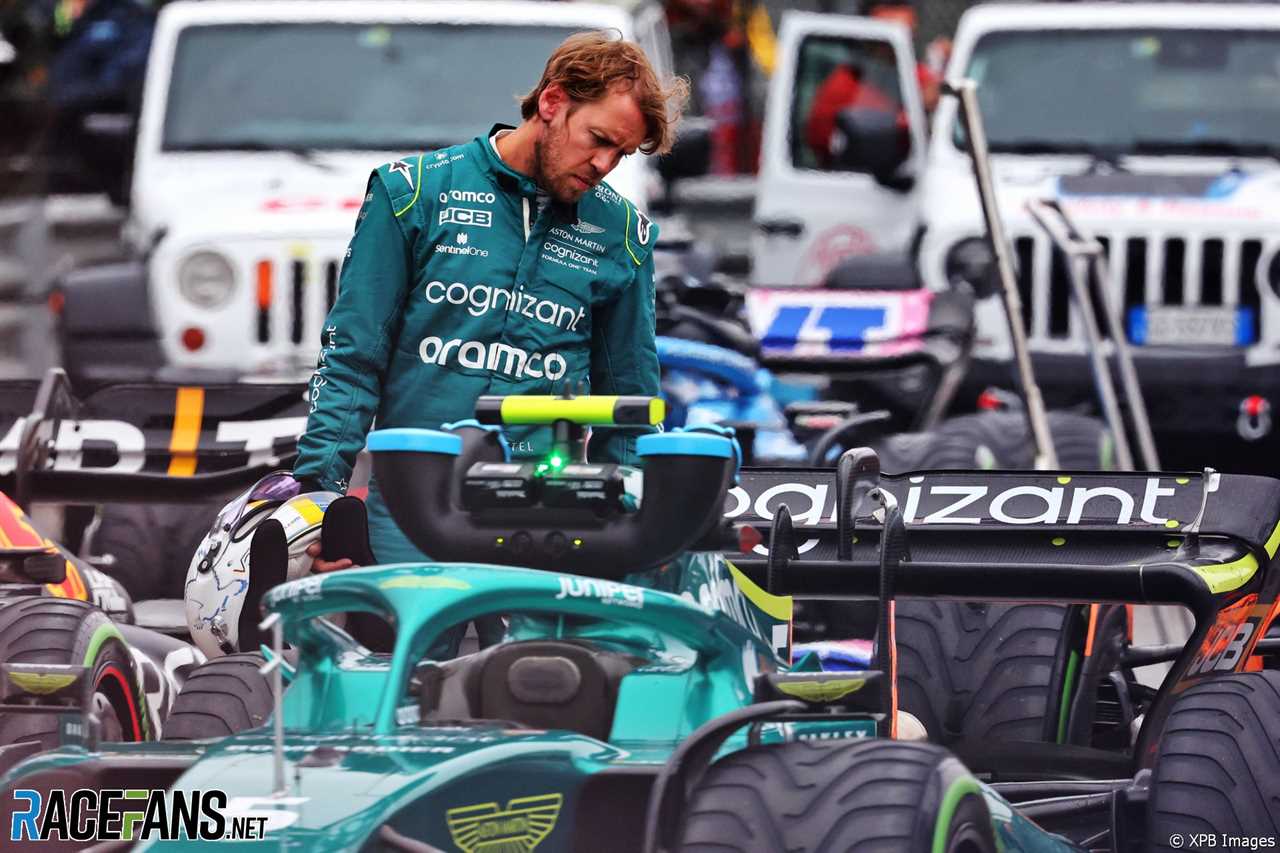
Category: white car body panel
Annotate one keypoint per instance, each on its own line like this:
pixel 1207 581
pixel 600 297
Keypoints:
pixel 840 213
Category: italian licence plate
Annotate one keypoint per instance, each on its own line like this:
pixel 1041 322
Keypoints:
pixel 1166 325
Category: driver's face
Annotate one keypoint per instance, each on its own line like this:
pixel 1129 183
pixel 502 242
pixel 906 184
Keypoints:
pixel 583 142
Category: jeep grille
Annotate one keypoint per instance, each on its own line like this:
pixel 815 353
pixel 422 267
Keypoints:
pixel 1145 270
pixel 299 303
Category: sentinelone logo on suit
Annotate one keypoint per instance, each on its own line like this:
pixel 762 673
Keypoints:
pixel 145 815
pixel 462 248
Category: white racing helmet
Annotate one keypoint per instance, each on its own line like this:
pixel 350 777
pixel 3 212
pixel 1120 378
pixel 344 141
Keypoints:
pixel 218 577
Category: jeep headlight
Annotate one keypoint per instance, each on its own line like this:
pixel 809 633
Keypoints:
pixel 971 261
pixel 206 279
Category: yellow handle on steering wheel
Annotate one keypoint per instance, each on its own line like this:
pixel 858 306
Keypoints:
pixel 585 411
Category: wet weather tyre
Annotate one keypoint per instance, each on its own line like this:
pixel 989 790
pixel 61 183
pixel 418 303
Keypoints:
pixel 1002 440
pixel 842 796
pixel 63 631
pixel 973 672
pixel 1081 443
pixel 1217 768
pixel 151 545
pixel 917 451
pixel 221 697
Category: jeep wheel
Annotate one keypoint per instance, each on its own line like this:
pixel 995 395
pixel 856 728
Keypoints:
pixel 62 631
pixel 221 697
pixel 818 796
pixel 1217 770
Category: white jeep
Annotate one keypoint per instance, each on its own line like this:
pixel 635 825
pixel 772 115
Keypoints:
pixel 259 126
pixel 1155 126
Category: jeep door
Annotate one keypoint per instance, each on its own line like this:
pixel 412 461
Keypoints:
pixel 844 140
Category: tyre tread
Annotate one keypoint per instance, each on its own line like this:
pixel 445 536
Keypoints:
pixel 812 797
pixel 221 697
pixel 1218 766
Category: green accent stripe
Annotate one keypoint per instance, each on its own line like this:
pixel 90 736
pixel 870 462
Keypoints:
pixel 105 632
pixel 417 188
pixel 959 789
pixel 776 606
pixel 1273 543
pixel 1068 687
pixel 1224 577
pixel 626 235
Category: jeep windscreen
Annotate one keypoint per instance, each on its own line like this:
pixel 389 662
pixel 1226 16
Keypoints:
pixel 316 86
pixel 1120 91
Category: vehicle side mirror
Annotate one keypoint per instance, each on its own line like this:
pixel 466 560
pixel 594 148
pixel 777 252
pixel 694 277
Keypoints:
pixel 45 568
pixel 110 136
pixel 690 157
pixel 872 141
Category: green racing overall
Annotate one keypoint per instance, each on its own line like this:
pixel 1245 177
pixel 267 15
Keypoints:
pixel 459 283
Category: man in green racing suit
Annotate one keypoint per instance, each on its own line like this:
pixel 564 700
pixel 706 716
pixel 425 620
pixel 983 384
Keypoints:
pixel 501 266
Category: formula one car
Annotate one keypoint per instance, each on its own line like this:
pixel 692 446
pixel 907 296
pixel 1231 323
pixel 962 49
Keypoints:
pixel 622 717
pixel 885 354
pixel 122 658
pixel 68 632
pixel 146 454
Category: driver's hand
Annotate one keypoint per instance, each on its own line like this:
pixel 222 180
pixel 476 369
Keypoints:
pixel 320 565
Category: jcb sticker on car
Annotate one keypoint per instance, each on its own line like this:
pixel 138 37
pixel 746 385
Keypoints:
pixel 1228 642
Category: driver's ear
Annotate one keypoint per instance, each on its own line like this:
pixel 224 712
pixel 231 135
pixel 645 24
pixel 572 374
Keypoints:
pixel 553 100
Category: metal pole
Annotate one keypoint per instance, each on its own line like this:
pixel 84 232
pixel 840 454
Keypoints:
pixel 273 623
pixel 1119 340
pixel 1078 267
pixel 966 91
pixel 1128 375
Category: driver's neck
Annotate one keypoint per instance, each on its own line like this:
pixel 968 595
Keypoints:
pixel 517 147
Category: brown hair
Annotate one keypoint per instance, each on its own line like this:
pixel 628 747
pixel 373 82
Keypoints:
pixel 587 65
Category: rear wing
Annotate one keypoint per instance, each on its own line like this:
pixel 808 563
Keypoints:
pixel 1206 541
pixel 143 442
pixel 1157 508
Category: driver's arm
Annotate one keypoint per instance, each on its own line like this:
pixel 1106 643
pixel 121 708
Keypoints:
pixel 355 344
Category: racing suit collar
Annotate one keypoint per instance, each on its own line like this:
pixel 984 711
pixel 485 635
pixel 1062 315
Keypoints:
pixel 512 181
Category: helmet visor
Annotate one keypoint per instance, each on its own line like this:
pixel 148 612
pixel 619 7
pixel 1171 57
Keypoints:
pixel 272 490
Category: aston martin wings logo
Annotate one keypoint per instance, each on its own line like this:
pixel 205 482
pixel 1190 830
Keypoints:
pixel 402 168
pixel 518 828
pixel 584 227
